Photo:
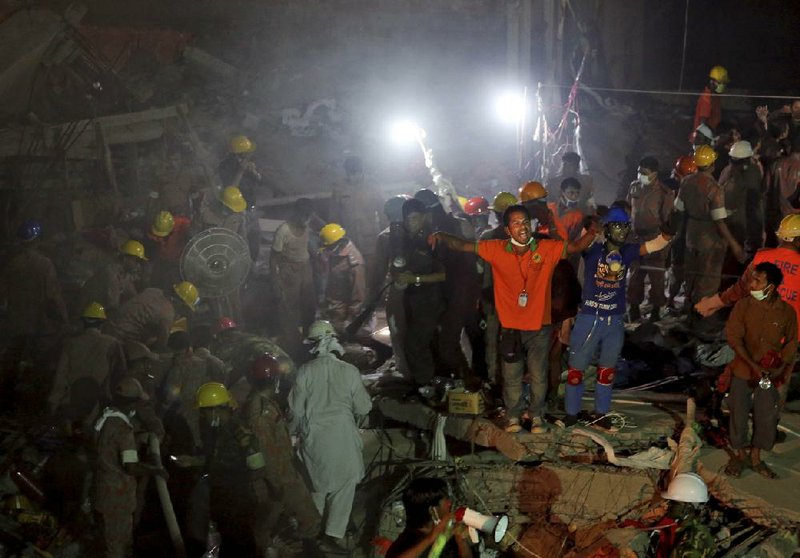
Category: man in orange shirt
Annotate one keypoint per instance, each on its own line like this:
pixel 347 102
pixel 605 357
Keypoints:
pixel 522 269
pixel 709 108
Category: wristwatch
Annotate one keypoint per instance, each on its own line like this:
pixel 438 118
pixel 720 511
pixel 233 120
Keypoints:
pixel 417 281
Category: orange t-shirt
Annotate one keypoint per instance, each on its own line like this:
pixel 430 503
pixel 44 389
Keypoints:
pixel 531 272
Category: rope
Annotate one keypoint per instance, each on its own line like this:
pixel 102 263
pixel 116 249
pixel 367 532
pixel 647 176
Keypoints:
pixel 683 53
pixel 663 92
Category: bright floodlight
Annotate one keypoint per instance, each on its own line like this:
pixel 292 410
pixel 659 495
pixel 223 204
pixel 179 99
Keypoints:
pixel 406 131
pixel 510 107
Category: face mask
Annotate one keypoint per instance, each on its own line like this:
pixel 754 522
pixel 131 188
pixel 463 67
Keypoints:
pixel 566 202
pixel 644 179
pixel 760 295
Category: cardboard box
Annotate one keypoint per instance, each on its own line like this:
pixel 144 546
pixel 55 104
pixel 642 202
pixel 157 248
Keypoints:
pixel 464 403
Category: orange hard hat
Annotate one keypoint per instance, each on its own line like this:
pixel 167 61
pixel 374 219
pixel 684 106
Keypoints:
pixel 531 191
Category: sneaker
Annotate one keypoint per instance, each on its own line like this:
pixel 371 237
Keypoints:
pixel 538 425
pixel 513 425
pixel 603 422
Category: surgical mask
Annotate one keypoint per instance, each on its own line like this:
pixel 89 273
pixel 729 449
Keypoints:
pixel 760 295
pixel 644 179
pixel 568 203
pixel 520 244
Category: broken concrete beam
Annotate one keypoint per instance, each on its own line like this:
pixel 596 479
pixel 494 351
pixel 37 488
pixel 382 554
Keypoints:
pixel 205 61
pixel 263 201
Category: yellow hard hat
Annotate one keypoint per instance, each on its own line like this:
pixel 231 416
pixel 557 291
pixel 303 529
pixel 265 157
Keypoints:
pixel 242 144
pixel 95 310
pixel 187 292
pixel 705 156
pixel 331 233
pixel 789 229
pixel 181 324
pixel 133 248
pixel 233 199
pixel 719 73
pixel 531 191
pixel 163 224
pixel 213 394
pixel 502 201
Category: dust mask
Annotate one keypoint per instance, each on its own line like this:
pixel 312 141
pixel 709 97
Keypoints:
pixel 760 295
pixel 644 179
pixel 568 203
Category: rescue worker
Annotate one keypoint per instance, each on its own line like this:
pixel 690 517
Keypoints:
pixel 116 467
pixel 501 202
pixel 175 188
pixel 762 331
pixel 707 235
pixel 390 255
pixel 461 290
pixel 226 211
pixel 238 169
pixel 684 166
pixel 234 475
pixel 599 324
pixel 786 176
pixel 90 364
pixel 534 197
pixel 683 531
pixel 421 280
pixel 709 105
pixel 357 205
pixel 346 281
pixel 740 181
pixel 566 209
pixel 478 212
pixel 286 490
pixel 327 403
pixel 35 314
pixel 522 269
pixel 165 241
pixel 116 282
pixel 290 269
pixel 571 168
pixel 148 317
pixel 651 208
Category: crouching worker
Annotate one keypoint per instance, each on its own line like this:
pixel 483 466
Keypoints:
pixel 284 489
pixel 116 469
pixel 762 331
pixel 599 324
pixel 429 523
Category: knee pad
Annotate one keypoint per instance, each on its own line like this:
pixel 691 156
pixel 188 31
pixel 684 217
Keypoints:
pixel 605 376
pixel 574 377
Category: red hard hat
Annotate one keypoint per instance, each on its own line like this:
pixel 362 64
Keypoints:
pixel 685 166
pixel 264 368
pixel 476 206
pixel 226 323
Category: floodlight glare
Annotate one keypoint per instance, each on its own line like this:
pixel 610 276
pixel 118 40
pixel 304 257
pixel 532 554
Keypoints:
pixel 406 131
pixel 510 108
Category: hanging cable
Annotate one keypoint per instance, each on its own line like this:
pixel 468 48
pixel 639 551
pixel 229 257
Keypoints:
pixel 683 54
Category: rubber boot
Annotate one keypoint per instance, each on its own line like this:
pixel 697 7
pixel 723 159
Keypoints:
pixel 602 398
pixel 572 399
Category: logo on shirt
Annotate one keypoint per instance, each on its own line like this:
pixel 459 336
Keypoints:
pixel 537 258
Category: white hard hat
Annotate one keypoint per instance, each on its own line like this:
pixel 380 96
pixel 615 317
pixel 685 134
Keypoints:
pixel 705 130
pixel 741 150
pixel 687 487
pixel 320 329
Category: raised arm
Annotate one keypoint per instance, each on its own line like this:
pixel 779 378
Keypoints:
pixel 453 242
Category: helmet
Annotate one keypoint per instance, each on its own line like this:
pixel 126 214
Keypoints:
pixel 187 293
pixel 719 73
pixel 705 131
pixel 705 156
pixel 616 215
pixel 133 248
pixel 462 201
pixel 741 150
pixel 789 229
pixel 502 201
pixel 264 368
pixel 131 388
pixel 685 166
pixel 94 311
pixel 393 208
pixel 225 323
pixel 687 487
pixel 320 329
pixel 29 230
pixel 163 224
pixel 331 233
pixel 428 197
pixel 476 206
pixel 213 394
pixel 181 324
pixel 241 144
pixel 233 199
pixel 531 191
